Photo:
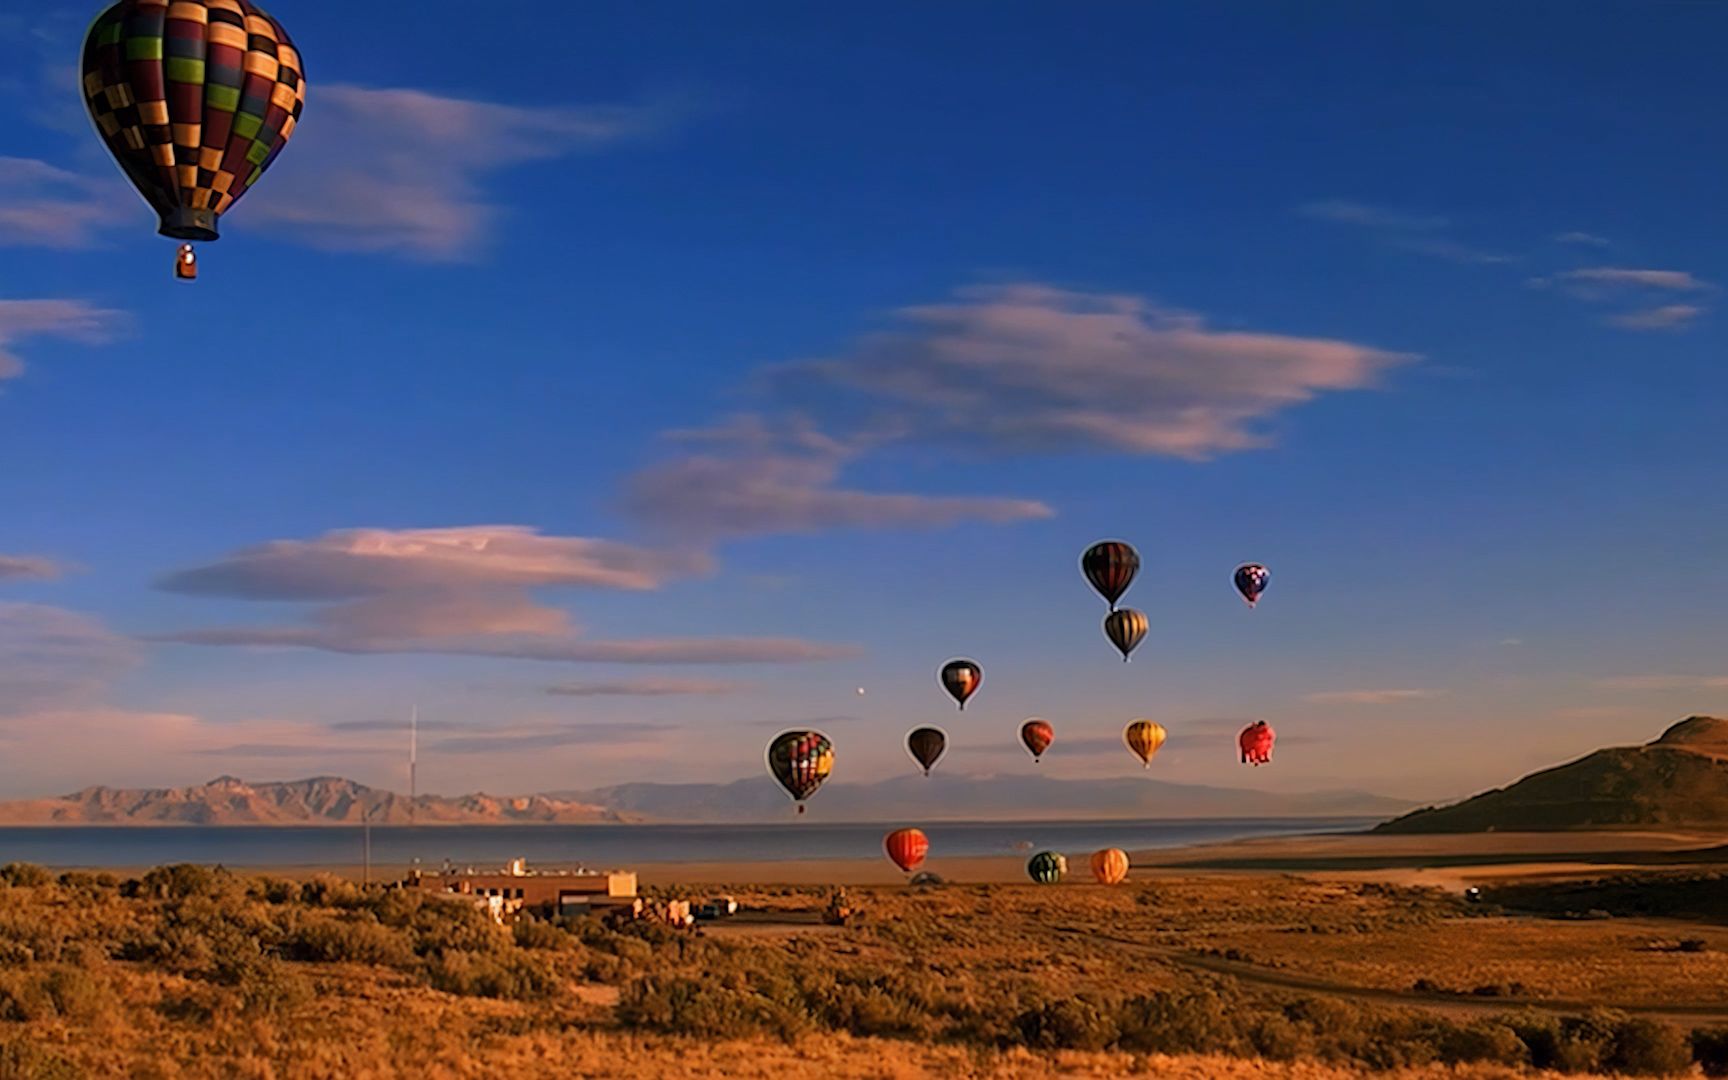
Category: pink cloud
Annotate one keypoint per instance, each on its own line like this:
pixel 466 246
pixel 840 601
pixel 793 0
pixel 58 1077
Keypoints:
pixel 1367 697
pixel 647 688
pixel 1673 280
pixel 42 205
pixel 1023 366
pixel 29 568
pixel 755 480
pixel 1667 317
pixel 51 657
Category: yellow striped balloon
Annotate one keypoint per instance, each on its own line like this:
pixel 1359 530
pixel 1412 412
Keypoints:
pixel 1144 738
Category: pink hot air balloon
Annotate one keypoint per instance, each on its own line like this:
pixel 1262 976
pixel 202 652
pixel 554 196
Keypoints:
pixel 1256 743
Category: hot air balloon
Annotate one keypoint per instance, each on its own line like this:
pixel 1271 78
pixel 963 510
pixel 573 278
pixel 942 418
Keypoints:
pixel 195 99
pixel 1047 867
pixel 961 678
pixel 1256 743
pixel 907 848
pixel 926 744
pixel 1110 565
pixel 1037 734
pixel 800 760
pixel 1144 738
pixel 1125 627
pixel 1110 865
pixel 1251 579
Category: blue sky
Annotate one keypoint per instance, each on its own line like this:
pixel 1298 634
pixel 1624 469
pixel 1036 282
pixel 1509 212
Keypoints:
pixel 781 352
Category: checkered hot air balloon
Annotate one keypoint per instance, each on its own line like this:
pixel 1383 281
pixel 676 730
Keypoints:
pixel 195 99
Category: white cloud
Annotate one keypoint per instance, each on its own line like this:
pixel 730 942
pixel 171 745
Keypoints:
pixel 405 171
pixel 1368 697
pixel 1673 280
pixel 73 320
pixel 1587 239
pixel 1027 366
pixel 754 480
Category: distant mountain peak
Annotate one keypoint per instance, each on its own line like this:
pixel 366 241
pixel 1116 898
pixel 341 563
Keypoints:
pixel 1704 734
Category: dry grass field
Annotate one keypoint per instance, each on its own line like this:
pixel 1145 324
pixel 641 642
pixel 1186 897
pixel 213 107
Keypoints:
pixel 186 972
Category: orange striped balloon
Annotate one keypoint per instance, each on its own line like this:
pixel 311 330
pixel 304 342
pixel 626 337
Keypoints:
pixel 907 847
pixel 1110 865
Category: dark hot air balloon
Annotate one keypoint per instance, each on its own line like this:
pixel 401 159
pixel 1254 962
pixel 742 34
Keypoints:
pixel 800 760
pixel 1125 627
pixel 1251 579
pixel 1110 566
pixel 961 678
pixel 907 848
pixel 1110 865
pixel 1046 867
pixel 195 99
pixel 926 744
pixel 1144 738
pixel 1256 743
pixel 1037 734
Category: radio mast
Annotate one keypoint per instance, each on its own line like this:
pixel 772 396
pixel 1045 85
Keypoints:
pixel 413 760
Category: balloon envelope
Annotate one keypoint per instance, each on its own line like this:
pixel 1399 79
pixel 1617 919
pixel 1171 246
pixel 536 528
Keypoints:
pixel 1110 865
pixel 1046 867
pixel 907 848
pixel 1144 738
pixel 926 745
pixel 1251 580
pixel 801 761
pixel 1125 627
pixel 1037 735
pixel 961 678
pixel 1110 566
pixel 1255 743
pixel 195 99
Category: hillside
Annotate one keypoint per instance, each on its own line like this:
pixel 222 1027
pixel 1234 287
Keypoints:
pixel 1680 779
pixel 953 797
pixel 321 800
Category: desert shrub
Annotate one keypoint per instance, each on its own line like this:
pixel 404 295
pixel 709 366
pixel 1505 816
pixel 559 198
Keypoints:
pixel 271 987
pixel 1694 945
pixel 537 934
pixel 328 890
pixel 1076 1023
pixel 450 926
pixel 24 998
pixel 1274 1037
pixel 1710 1050
pixel 24 1060
pixel 25 875
pixel 515 976
pixel 1641 1047
pixel 273 890
pixel 75 993
pixel 713 1008
pixel 183 881
pixel 358 940
pixel 1485 1041
pixel 1198 1022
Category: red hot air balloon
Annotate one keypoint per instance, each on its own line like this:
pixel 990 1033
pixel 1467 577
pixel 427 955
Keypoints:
pixel 1256 743
pixel 1250 580
pixel 1037 734
pixel 1110 566
pixel 907 848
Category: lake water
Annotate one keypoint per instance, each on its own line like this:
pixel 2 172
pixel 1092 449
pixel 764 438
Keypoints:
pixel 606 845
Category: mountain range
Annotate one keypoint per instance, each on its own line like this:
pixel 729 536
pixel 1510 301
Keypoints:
pixel 1679 779
pixel 329 800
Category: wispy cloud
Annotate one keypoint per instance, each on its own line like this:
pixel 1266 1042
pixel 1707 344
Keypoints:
pixel 1028 366
pixel 407 172
pixel 582 735
pixel 72 320
pixel 1663 682
pixel 1367 697
pixel 748 480
pixel 51 658
pixel 29 568
pixel 1377 217
pixel 1667 317
pixel 1673 280
pixel 648 688
pixel 1584 238
pixel 457 592
pixel 43 205
pixel 1418 233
